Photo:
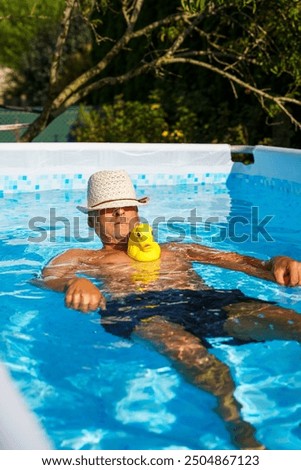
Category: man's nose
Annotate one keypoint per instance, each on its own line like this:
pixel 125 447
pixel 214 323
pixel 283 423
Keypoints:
pixel 119 212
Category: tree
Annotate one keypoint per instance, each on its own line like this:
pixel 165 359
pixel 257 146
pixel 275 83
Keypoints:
pixel 19 23
pixel 247 42
pixel 29 80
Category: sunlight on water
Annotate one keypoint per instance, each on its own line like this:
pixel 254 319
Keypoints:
pixel 149 391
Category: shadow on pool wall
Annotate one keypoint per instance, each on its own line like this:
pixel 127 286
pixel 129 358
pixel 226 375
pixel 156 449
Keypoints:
pixel 270 190
pixel 271 164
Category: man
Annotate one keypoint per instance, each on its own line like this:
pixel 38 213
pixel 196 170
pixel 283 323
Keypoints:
pixel 167 303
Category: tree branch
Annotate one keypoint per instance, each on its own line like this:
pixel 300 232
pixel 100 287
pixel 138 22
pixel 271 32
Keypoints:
pixel 106 81
pixel 66 19
pixel 136 10
pixel 174 18
pixel 86 77
pixel 124 4
pixel 84 91
pixel 278 100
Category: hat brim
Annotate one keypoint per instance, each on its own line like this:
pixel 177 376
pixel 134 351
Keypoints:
pixel 114 204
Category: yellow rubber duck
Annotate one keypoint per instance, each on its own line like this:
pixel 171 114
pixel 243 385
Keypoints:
pixel 141 244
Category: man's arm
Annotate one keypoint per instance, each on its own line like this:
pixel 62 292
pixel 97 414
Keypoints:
pixel 282 269
pixel 61 275
pixel 61 270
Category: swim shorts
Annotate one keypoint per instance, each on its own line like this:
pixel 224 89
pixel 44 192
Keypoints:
pixel 199 312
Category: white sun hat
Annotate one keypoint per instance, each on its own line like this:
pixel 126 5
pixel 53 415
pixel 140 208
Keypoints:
pixel 109 189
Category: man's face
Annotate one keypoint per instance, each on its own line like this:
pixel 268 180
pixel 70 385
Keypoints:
pixel 114 225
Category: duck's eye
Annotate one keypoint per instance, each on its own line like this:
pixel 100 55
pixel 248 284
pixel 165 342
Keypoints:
pixel 138 234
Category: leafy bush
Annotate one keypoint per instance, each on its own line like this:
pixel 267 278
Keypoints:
pixel 133 121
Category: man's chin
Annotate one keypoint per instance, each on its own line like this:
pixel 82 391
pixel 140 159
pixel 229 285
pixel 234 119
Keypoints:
pixel 121 240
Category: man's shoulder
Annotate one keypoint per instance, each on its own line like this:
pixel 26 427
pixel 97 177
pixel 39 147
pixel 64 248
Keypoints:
pixel 73 254
pixel 78 252
pixel 181 246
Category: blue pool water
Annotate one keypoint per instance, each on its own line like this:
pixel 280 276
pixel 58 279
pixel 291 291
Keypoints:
pixel 93 390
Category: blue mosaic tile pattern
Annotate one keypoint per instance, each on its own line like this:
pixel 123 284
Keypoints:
pixel 28 183
pixel 280 184
pixel 44 182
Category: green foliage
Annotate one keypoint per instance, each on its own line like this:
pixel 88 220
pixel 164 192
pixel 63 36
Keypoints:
pixel 133 121
pixel 196 6
pixel 20 21
pixel 120 122
pixel 30 81
pixel 284 31
pixel 193 6
pixel 255 41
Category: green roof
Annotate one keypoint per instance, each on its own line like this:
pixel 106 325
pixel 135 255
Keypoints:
pixel 57 131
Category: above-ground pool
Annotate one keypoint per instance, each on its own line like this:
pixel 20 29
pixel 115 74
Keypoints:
pixel 93 390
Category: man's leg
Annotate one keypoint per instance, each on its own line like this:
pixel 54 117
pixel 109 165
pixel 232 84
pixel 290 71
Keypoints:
pixel 262 321
pixel 203 370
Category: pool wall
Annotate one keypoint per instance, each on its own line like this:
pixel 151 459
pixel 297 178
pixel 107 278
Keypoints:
pixel 44 166
pixel 19 428
pixel 271 164
pixel 37 167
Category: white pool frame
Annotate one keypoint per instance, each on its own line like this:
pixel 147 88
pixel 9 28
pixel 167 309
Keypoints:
pixel 45 166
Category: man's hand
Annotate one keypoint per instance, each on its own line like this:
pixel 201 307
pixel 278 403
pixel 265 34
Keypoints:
pixel 82 294
pixel 286 270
